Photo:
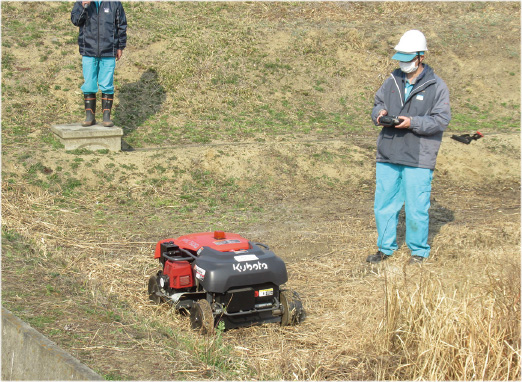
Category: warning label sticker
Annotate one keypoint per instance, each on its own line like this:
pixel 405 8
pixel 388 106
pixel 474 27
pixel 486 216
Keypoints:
pixel 266 292
pixel 200 272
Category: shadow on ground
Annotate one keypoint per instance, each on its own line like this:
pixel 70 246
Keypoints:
pixel 138 101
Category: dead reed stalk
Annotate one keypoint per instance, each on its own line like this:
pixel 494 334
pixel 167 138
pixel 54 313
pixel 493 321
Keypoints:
pixel 441 333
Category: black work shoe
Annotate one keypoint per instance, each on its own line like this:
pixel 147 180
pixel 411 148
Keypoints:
pixel 417 259
pixel 377 258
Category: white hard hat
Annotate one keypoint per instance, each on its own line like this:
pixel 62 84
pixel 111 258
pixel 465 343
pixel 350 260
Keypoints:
pixel 412 41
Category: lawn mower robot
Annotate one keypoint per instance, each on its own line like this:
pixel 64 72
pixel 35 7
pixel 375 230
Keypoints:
pixel 223 277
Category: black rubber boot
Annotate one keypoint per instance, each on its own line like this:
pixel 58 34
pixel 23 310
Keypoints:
pixel 90 109
pixel 107 106
pixel 377 258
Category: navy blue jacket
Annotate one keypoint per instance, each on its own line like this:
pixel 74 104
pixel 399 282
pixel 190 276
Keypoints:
pixel 103 31
pixel 427 105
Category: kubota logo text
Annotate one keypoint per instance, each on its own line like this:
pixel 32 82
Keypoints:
pixel 249 267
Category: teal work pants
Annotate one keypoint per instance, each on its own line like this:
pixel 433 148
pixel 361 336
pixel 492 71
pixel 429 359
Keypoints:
pixel 98 72
pixel 398 186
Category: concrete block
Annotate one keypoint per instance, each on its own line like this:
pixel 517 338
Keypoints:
pixel 75 136
pixel 28 355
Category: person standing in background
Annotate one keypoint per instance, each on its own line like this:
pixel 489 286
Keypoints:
pixel 102 38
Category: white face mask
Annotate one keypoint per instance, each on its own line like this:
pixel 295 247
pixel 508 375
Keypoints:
pixel 408 67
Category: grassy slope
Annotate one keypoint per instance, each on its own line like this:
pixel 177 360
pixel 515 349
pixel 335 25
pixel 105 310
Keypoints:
pixel 195 71
pixel 245 72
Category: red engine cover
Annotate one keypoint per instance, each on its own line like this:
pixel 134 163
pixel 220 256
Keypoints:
pixel 180 274
pixel 220 241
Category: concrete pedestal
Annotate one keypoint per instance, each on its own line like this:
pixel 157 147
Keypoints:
pixel 75 136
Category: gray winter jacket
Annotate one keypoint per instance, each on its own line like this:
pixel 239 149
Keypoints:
pixel 428 107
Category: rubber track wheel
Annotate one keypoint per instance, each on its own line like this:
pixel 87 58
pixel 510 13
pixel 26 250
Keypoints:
pixel 293 308
pixel 201 317
pixel 153 288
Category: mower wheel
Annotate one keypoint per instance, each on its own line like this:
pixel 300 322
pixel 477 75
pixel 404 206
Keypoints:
pixel 293 312
pixel 201 317
pixel 154 289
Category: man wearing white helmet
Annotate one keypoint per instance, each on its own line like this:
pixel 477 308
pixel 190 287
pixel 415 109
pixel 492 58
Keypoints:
pixel 413 107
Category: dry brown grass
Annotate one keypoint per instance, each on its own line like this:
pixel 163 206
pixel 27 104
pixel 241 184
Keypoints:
pixel 470 332
pixel 454 321
pixel 456 317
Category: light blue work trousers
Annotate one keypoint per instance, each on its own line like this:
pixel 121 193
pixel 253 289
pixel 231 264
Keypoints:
pixel 398 185
pixel 98 71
